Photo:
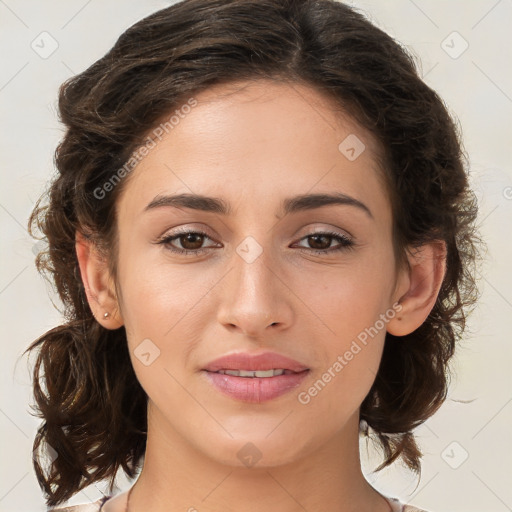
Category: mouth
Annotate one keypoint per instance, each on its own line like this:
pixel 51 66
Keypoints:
pixel 255 386
pixel 249 364
pixel 259 374
pixel 255 377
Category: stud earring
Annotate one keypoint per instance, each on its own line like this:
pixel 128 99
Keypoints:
pixel 105 315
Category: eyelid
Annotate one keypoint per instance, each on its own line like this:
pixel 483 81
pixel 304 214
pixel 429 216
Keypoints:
pixel 334 231
pixel 329 229
pixel 187 228
pixel 183 231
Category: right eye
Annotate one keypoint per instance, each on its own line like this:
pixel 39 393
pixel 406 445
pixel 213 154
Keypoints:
pixel 186 238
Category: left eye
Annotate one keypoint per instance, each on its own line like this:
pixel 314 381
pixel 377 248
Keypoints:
pixel 320 238
pixel 191 242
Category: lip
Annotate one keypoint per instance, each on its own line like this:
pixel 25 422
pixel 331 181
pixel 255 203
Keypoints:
pixel 246 361
pixel 255 389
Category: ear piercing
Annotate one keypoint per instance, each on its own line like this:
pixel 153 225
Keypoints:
pixel 105 315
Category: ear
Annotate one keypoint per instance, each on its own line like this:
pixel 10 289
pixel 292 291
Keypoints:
pixel 99 286
pixel 419 288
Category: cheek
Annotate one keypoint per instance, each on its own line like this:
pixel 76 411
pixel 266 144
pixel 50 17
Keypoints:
pixel 349 297
pixel 351 309
pixel 157 294
pixel 350 349
pixel 336 392
pixel 161 324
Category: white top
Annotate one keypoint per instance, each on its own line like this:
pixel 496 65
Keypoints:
pixel 105 503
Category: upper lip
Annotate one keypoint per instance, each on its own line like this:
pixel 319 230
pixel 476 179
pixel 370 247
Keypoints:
pixel 252 362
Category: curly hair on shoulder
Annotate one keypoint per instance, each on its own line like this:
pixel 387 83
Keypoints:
pixel 85 388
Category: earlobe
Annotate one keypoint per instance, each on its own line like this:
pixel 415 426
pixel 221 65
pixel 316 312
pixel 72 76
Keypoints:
pixel 97 283
pixel 427 266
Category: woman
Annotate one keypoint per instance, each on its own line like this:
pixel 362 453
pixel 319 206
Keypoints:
pixel 263 234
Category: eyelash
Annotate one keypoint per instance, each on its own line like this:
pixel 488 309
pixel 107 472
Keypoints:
pixel 345 243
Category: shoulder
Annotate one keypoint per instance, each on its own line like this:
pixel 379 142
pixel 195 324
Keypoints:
pixel 398 506
pixel 94 506
pixel 410 508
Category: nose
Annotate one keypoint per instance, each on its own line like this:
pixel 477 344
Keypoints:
pixel 255 297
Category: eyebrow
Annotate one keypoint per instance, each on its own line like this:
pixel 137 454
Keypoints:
pixel 289 205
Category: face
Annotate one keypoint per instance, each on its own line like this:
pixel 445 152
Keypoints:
pixel 310 280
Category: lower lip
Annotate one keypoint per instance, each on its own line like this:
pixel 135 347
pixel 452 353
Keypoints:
pixel 255 389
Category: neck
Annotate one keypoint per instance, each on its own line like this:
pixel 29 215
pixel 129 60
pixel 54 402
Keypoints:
pixel 177 476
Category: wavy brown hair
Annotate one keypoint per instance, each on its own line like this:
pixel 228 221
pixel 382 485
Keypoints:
pixel 93 407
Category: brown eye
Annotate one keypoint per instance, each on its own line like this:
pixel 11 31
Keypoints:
pixel 319 243
pixel 190 241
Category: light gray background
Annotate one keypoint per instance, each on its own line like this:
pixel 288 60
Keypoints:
pixel 476 85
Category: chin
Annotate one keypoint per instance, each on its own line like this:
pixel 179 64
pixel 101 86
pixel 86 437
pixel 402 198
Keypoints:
pixel 257 451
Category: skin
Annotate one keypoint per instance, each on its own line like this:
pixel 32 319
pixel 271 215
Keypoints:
pixel 253 145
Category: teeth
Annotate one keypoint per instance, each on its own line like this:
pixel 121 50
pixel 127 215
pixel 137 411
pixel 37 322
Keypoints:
pixel 256 373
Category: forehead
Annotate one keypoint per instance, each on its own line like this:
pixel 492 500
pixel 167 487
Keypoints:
pixel 256 142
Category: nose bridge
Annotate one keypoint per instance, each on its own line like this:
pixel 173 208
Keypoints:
pixel 254 297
